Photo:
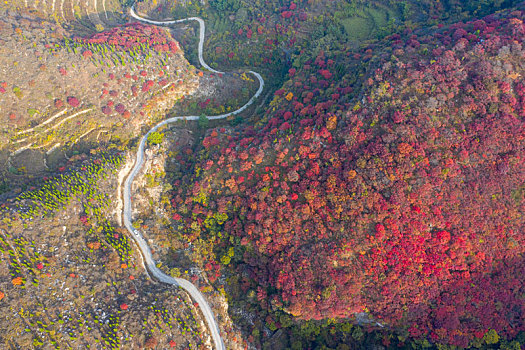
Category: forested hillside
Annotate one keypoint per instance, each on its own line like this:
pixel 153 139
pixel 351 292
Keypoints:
pixel 404 201
pixel 371 196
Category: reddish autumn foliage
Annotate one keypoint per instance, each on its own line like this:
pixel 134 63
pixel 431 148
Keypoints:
pixel 119 108
pixel 407 201
pixel 286 14
pixel 146 86
pixel 135 36
pixel 73 101
pixel 106 110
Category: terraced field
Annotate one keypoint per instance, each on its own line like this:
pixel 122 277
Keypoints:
pixel 87 15
pixel 64 90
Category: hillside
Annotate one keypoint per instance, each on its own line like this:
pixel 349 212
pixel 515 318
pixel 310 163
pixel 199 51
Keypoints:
pixel 72 105
pixel 342 174
pixel 69 93
pixel 405 203
pixel 67 90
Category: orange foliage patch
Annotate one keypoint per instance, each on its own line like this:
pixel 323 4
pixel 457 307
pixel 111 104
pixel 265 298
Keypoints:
pixel 17 281
pixel 93 245
pixel 404 148
pixel 331 124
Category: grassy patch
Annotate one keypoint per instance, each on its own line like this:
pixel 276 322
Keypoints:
pixel 358 27
pixel 368 22
pixel 379 16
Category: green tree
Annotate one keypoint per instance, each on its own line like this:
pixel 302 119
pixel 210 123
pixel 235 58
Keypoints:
pixel 155 138
pixel 513 345
pixel 491 337
pixel 203 121
pixel 225 5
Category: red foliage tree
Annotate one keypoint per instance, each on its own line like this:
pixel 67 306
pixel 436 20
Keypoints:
pixel 73 101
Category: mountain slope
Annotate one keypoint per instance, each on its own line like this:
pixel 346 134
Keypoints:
pixel 381 204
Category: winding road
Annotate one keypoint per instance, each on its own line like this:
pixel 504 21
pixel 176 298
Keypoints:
pixel 145 250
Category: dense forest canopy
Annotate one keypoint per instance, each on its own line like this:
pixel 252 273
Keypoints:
pixel 403 201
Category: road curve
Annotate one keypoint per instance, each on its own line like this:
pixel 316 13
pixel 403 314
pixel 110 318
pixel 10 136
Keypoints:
pixel 145 250
pixel 202 29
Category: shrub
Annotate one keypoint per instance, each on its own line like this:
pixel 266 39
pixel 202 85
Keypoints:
pixel 151 343
pixel 155 138
pixel 106 110
pixel 32 111
pixel 147 85
pixel 87 54
pixel 73 101
pixel 119 108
